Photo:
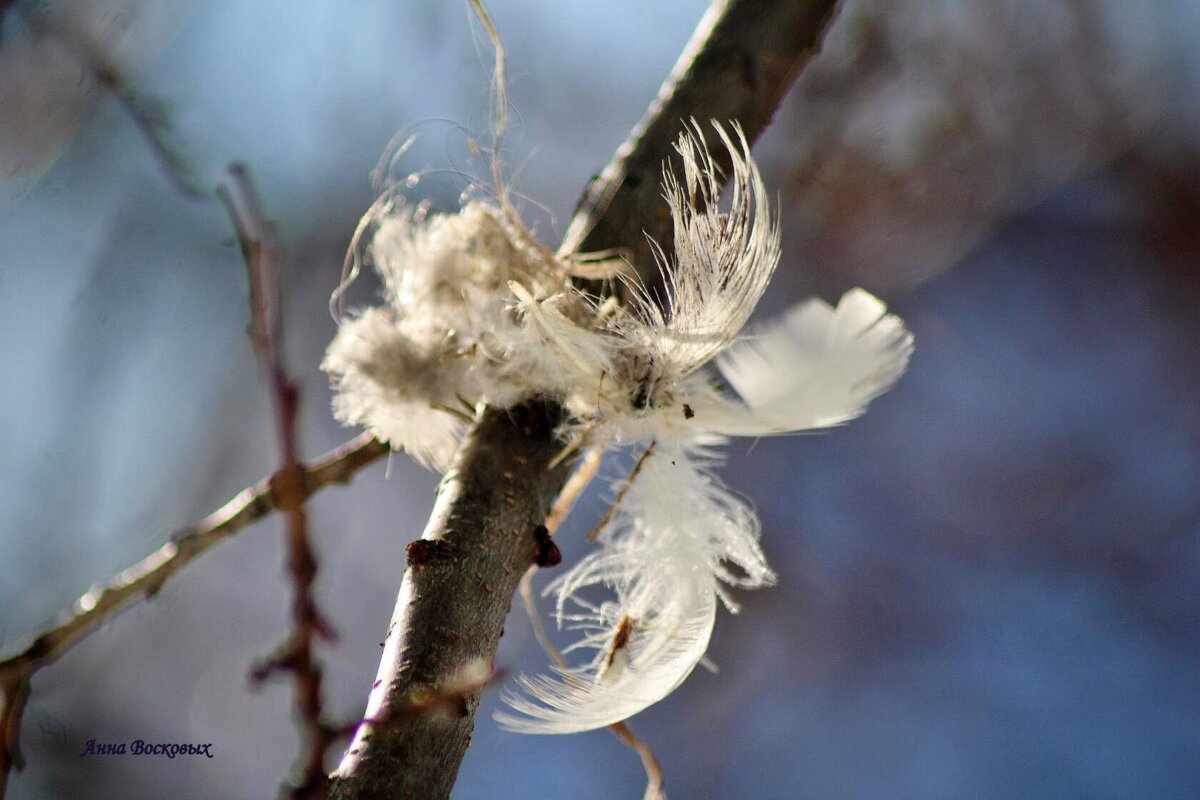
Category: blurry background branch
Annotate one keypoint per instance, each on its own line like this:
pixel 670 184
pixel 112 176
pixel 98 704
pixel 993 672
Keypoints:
pixel 295 655
pixel 147 113
pixel 144 579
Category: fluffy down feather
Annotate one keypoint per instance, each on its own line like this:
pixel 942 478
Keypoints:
pixel 479 312
pixel 544 350
pixel 672 545
pixel 454 267
pixel 447 282
pixel 644 644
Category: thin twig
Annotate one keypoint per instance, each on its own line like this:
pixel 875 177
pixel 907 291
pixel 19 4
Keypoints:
pixel 16 695
pixel 573 488
pixel 295 654
pixel 525 589
pixel 616 503
pixel 654 773
pixel 146 578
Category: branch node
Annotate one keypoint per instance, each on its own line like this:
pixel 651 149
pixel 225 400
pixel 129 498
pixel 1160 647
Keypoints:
pixel 546 552
pixel 423 551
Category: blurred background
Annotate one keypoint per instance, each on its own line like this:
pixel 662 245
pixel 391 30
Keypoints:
pixel 989 586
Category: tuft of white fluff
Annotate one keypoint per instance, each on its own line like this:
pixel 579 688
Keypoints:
pixel 449 338
pixel 391 380
pixel 544 347
pixel 452 267
pixel 479 313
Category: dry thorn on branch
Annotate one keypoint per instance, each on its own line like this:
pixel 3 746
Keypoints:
pixel 295 655
pixel 145 578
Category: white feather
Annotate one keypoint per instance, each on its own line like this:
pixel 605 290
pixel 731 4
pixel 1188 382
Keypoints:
pixel 480 312
pixel 678 535
pixel 722 261
pixel 816 367
pixel 671 617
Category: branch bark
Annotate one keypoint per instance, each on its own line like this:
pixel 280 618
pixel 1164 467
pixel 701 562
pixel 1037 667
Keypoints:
pixel 450 613
pixel 480 539
pixel 738 65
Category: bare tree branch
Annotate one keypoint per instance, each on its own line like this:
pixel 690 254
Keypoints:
pixel 147 113
pixel 457 589
pixel 738 65
pixel 295 655
pixel 481 537
pixel 145 578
